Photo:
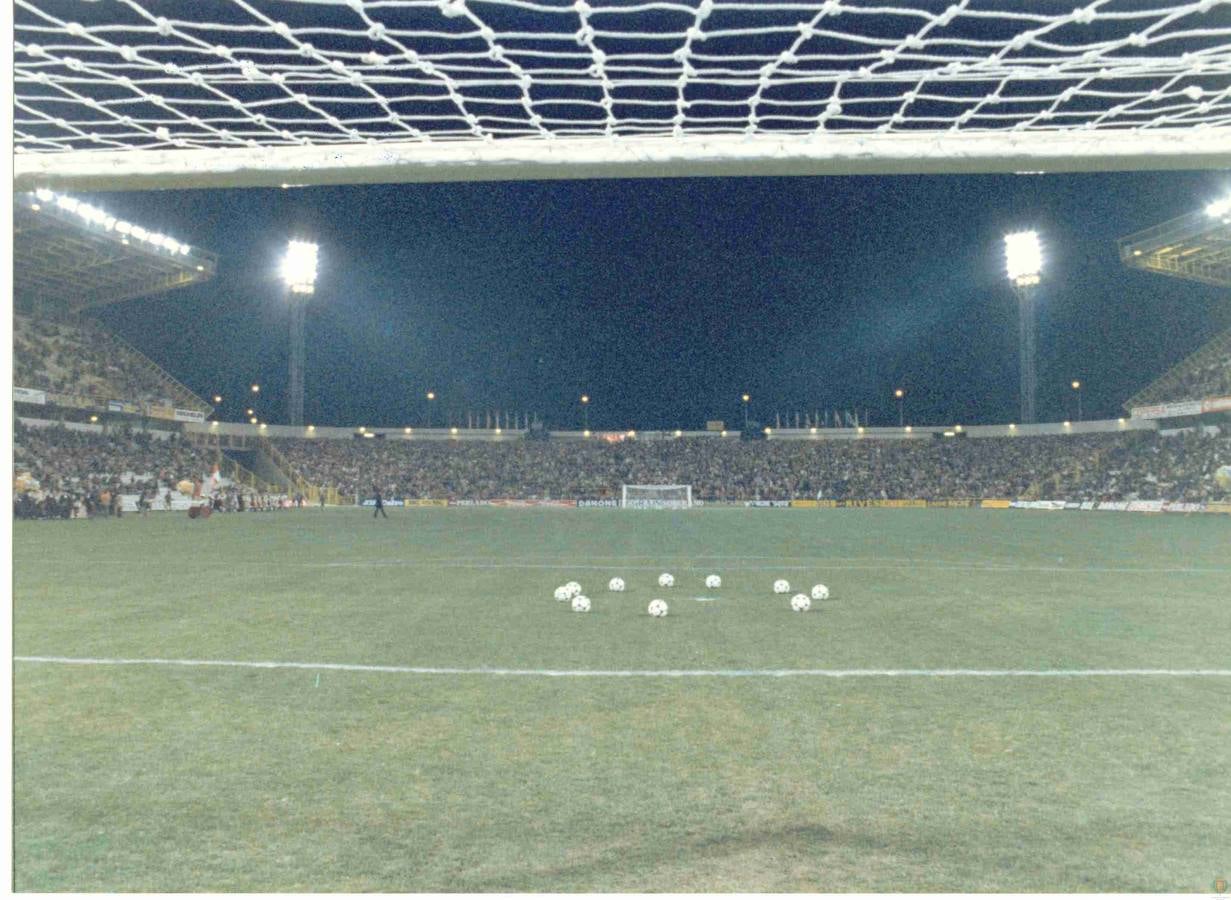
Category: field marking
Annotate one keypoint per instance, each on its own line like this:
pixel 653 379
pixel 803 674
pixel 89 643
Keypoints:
pixel 732 563
pixel 640 673
pixel 943 567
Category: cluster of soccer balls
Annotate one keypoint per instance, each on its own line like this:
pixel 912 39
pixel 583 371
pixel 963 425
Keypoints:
pixel 571 593
pixel 801 602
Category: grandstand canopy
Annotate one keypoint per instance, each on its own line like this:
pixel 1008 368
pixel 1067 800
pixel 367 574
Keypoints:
pixel 66 261
pixel 1196 247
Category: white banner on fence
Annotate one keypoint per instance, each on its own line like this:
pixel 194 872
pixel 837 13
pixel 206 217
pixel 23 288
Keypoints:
pixel 1176 506
pixel 189 415
pixel 1168 410
pixel 29 395
pixel 179 502
pixel 1038 504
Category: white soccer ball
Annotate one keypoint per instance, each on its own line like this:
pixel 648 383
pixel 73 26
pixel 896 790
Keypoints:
pixel 563 594
pixel 801 603
pixel 573 589
pixel 713 581
pixel 666 580
pixel 782 586
pixel 581 603
pixel 657 608
pixel 820 592
pixel 615 584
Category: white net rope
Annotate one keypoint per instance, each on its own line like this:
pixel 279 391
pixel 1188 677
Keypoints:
pixel 219 74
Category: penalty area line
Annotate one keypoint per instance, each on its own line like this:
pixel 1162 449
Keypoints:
pixel 636 673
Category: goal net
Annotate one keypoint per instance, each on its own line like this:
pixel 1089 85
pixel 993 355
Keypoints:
pixel 656 496
pixel 138 93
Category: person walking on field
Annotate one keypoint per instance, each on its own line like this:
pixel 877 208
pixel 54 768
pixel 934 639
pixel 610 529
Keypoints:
pixel 380 504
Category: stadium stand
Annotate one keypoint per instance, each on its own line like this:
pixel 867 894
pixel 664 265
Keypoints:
pixel 1149 466
pixel 1205 373
pixel 78 357
pixel 62 472
pixel 57 467
pixel 1086 467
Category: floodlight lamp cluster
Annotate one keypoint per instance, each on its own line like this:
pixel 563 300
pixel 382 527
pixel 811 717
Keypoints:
pixel 95 216
pixel 1023 257
pixel 1220 209
pixel 299 267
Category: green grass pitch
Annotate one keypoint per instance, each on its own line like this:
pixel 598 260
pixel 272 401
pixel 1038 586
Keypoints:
pixel 173 778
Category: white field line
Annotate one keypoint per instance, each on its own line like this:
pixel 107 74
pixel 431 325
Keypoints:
pixel 698 563
pixel 641 673
pixel 944 567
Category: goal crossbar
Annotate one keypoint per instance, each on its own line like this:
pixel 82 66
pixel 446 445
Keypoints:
pixel 632 157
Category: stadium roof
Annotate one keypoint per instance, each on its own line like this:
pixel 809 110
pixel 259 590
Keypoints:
pixel 71 257
pixel 1196 247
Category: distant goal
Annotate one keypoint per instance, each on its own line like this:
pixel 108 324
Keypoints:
pixel 656 496
pixel 228 93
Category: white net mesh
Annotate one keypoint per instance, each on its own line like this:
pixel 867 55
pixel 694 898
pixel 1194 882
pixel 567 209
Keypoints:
pixel 656 496
pixel 238 75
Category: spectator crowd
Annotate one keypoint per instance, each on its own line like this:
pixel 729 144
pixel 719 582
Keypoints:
pixel 80 358
pixel 1206 374
pixel 1136 465
pixel 1149 466
pixel 61 473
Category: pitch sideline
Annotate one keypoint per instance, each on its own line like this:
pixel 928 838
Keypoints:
pixel 634 673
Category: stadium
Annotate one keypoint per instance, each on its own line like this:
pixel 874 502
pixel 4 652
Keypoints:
pixel 484 446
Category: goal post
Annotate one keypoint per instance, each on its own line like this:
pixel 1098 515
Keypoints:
pixel 656 496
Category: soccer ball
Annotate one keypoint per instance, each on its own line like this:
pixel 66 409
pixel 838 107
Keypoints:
pixel 563 594
pixel 713 581
pixel 573 588
pixel 801 603
pixel 184 487
pixel 782 586
pixel 615 584
pixel 666 580
pixel 657 608
pixel 1222 477
pixel 820 592
pixel 581 603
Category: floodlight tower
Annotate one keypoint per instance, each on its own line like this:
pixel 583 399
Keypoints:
pixel 299 273
pixel 1024 262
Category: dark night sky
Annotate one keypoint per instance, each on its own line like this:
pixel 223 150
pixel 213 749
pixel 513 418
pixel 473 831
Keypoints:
pixel 665 299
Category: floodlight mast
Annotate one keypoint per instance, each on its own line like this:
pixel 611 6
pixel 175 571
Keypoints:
pixel 1024 262
pixel 299 273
